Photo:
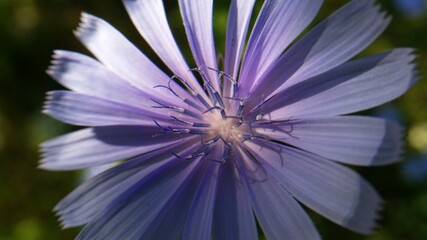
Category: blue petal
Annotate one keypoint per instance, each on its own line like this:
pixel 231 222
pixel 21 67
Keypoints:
pixel 84 110
pixel 171 222
pixel 197 16
pixel 278 24
pixel 279 214
pixel 332 190
pixel 234 217
pixel 338 38
pixel 354 140
pixel 101 145
pixel 85 75
pixel 150 19
pixel 129 216
pixel 113 49
pixel 332 42
pixel 200 216
pixel 354 86
pixel 239 16
pixel 82 205
pixel 237 26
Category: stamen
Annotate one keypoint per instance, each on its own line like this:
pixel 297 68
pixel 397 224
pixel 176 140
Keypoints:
pixel 192 104
pixel 221 75
pixel 168 87
pixel 192 92
pixel 224 156
pixel 208 85
pixel 202 152
pixel 230 128
pixel 188 158
pixel 222 111
pixel 201 73
pixel 239 123
pixel 280 128
pixel 193 124
pixel 240 109
pixel 170 130
pixel 212 141
pixel 215 95
pixel 185 100
pixel 176 109
pixel 226 152
pixel 252 136
pixel 160 126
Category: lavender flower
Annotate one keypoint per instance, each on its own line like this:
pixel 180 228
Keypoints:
pixel 211 151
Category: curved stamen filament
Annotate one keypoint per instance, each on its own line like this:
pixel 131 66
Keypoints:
pixel 217 119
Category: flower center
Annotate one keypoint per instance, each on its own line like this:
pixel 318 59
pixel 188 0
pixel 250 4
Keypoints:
pixel 217 119
pixel 227 128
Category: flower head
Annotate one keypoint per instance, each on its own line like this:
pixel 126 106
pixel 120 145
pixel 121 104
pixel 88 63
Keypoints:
pixel 209 152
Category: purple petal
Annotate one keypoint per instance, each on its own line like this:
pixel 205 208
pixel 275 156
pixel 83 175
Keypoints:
pixel 197 16
pixel 237 26
pixel 239 16
pixel 278 24
pixel 118 54
pixel 354 86
pixel 332 42
pixel 150 19
pixel 82 205
pixel 338 38
pixel 200 216
pixel 332 190
pixel 349 139
pixel 85 75
pixel 129 216
pixel 279 215
pixel 234 217
pixel 101 145
pixel 83 110
pixel 171 223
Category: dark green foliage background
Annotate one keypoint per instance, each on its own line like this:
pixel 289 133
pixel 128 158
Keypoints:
pixel 31 29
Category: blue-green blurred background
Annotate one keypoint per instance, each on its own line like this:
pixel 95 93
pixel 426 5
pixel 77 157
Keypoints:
pixel 31 29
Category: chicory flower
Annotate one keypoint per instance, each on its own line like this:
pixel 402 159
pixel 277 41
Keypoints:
pixel 210 152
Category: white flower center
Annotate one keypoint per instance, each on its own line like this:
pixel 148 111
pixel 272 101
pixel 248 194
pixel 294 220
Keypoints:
pixel 226 128
pixel 217 119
